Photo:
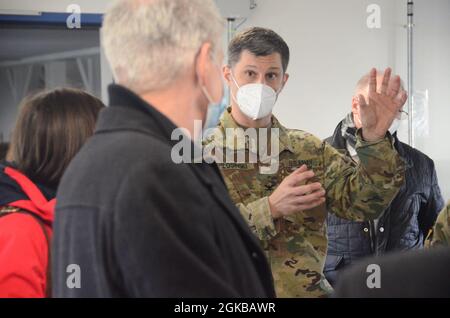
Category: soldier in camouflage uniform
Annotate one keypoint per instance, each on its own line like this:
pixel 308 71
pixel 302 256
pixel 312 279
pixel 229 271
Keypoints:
pixel 441 231
pixel 287 208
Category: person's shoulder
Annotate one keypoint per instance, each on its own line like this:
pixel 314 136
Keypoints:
pixel 329 140
pixel 117 152
pixel 21 228
pixel 127 141
pixel 422 170
pixel 415 152
pixel 446 213
pixel 105 162
pixel 297 134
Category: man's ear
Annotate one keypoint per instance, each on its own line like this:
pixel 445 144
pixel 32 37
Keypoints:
pixel 203 63
pixel 283 83
pixel 355 105
pixel 355 112
pixel 226 70
pixel 285 79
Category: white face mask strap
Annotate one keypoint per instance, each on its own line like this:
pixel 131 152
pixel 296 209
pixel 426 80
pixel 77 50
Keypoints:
pixel 203 87
pixel 205 92
pixel 234 80
pixel 279 90
pixel 231 93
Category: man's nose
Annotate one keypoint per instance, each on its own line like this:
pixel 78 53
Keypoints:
pixel 261 80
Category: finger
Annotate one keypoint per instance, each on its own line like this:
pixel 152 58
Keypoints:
pixel 401 99
pixel 292 178
pixel 386 80
pixel 311 205
pixel 394 86
pixel 373 81
pixel 307 199
pixel 300 178
pixel 308 188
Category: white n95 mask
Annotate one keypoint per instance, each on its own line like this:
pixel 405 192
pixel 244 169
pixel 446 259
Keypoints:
pixel 256 101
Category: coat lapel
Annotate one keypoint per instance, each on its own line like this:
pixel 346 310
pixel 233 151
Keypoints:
pixel 209 172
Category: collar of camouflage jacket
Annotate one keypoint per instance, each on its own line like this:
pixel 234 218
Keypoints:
pixel 240 142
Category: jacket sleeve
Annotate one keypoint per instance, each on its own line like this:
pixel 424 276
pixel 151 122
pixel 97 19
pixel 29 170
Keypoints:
pixel 362 191
pixel 434 204
pixel 258 216
pixel 164 240
pixel 23 257
pixel 441 230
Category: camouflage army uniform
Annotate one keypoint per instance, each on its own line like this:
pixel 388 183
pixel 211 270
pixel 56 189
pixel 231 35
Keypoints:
pixel 296 246
pixel 441 231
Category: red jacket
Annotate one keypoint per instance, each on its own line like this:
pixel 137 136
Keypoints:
pixel 24 249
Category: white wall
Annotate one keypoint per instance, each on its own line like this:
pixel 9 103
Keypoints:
pixel 432 73
pixel 331 47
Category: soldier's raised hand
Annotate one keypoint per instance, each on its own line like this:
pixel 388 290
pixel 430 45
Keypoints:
pixel 293 195
pixel 382 106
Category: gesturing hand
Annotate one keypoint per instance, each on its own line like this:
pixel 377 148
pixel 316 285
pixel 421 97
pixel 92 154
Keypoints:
pixel 291 196
pixel 381 108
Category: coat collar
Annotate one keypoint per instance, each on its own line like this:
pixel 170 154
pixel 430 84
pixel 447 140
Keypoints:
pixel 127 111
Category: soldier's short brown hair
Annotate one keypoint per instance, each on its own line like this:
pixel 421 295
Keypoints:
pixel 260 42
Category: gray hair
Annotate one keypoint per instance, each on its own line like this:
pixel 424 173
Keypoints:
pixel 149 43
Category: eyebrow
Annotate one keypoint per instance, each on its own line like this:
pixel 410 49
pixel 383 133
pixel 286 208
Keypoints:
pixel 270 68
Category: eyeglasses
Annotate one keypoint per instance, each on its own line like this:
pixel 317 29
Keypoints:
pixel 402 115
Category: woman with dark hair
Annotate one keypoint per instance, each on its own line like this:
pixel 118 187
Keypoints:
pixel 51 129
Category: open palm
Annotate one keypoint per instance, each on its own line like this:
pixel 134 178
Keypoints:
pixel 382 106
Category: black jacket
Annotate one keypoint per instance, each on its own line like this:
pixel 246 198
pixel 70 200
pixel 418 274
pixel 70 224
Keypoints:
pixel 139 225
pixel 403 226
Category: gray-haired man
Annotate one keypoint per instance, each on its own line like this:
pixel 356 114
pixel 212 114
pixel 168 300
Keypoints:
pixel 133 222
pixel 404 224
